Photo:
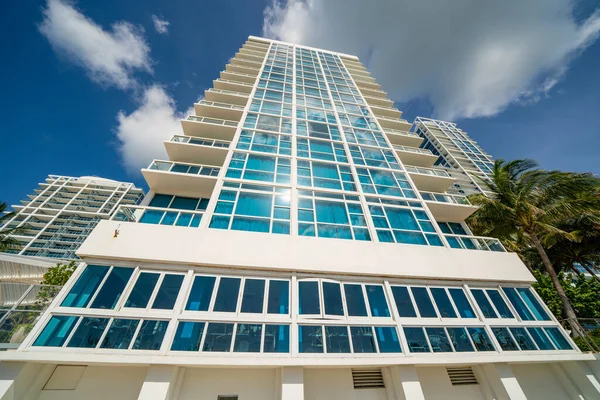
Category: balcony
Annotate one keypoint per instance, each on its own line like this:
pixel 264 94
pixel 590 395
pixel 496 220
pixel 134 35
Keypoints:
pixel 233 86
pixel 415 156
pixel 238 77
pixel 212 128
pixel 403 138
pixel 474 243
pixel 182 179
pixel 226 96
pixel 214 109
pixel 390 112
pixel 194 150
pixel 378 101
pixel 254 47
pixel 364 83
pixel 158 216
pixel 448 207
pixel 394 123
pixel 242 69
pixel 430 179
pixel 252 55
pixel 244 62
pixel 377 93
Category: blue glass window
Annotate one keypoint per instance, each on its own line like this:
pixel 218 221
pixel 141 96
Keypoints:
pixel 167 292
pixel 254 204
pixel 308 293
pixel 403 301
pixel 151 335
pixel 439 340
pixel 279 297
pixel 184 203
pixel 500 304
pixel 310 339
pixel 377 301
pixel 161 200
pixel 363 340
pixel 201 293
pixel 559 340
pixel 542 341
pixel 505 340
pixel 460 339
pixel 152 217
pixel 254 295
pixel 387 339
pixel 247 338
pixel 355 300
pixel 56 331
pixel 484 304
pixel 227 295
pixel 142 290
pixel 277 339
pixel 337 339
pixel 536 308
pixel 119 334
pixel 417 343
pixel 88 333
pixel 423 301
pixel 443 303
pixel 85 287
pixel 332 298
pixel 113 288
pixel 518 304
pixel 462 303
pixel 481 339
pixel 188 336
pixel 218 337
pixel 523 339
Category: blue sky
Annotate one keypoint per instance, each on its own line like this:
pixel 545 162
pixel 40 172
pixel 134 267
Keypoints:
pixel 61 109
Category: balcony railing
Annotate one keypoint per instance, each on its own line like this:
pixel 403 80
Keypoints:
pixel 235 82
pixel 23 305
pixel 214 121
pixel 428 171
pixel 413 149
pixel 445 198
pixel 231 92
pixel 182 168
pixel 159 216
pixel 220 105
pixel 403 133
pixel 200 141
pixel 474 243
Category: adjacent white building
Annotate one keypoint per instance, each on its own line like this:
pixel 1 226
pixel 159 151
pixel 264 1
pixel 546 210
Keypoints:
pixel 298 244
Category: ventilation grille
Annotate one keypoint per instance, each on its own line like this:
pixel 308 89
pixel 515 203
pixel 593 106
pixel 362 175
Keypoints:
pixel 367 378
pixel 462 376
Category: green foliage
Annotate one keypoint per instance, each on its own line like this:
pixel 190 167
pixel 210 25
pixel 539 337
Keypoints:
pixel 59 274
pixel 7 242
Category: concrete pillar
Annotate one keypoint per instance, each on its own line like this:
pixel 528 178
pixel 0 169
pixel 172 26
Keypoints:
pixel 503 382
pixel 8 374
pixel 160 383
pixel 408 380
pixel 292 383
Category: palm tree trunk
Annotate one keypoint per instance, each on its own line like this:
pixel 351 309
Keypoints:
pixel 568 310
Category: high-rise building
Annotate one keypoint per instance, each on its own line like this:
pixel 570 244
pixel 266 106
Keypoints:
pixel 298 244
pixel 62 211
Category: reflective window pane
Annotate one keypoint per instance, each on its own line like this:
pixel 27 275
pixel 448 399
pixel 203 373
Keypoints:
pixel 523 339
pixel 142 290
pixel 518 304
pixel 227 295
pixel 559 340
pixel 254 296
pixel 201 293
pixel 308 293
pixel 218 337
pixel 484 304
pixel 423 301
pixel 113 288
pixel 119 334
pixel 85 287
pixel 188 336
pixel 247 338
pixel 504 338
pixel 540 338
pixel 438 339
pixel 536 308
pixel 355 300
pixel 151 335
pixel 417 343
pixel 88 332
pixel 167 292
pixel 377 301
pixel 462 303
pixel 332 298
pixel 310 339
pixel 481 339
pixel 56 331
pixel 460 339
pixel 362 339
pixel 387 339
pixel 499 303
pixel 443 303
pixel 337 339
pixel 403 301
pixel 279 297
pixel 277 339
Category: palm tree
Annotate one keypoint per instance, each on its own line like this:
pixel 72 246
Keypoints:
pixel 7 241
pixel 527 206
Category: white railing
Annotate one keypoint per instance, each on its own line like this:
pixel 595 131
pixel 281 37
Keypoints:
pixel 403 133
pixel 412 149
pixel 234 82
pixel 200 141
pixel 428 171
pixel 215 121
pixel 445 198
pixel 474 243
pixel 220 105
pixel 184 168
pixel 158 216
pixel 232 92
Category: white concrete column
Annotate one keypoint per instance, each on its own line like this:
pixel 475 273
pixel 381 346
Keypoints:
pixel 292 383
pixel 9 371
pixel 408 379
pixel 160 383
pixel 503 382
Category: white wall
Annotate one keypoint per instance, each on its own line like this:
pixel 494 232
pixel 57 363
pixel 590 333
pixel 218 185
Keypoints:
pixel 168 244
pixel 436 385
pixel 249 384
pixel 539 382
pixel 336 384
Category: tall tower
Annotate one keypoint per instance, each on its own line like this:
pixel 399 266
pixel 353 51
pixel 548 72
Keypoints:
pixel 298 244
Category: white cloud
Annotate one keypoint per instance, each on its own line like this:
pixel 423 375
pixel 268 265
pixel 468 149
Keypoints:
pixel 109 57
pixel 161 25
pixel 469 58
pixel 141 133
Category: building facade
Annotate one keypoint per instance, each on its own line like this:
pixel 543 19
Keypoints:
pixel 298 244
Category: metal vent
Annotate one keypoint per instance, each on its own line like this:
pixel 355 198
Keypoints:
pixel 367 378
pixel 461 376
